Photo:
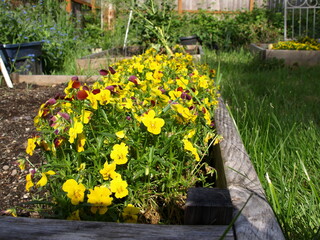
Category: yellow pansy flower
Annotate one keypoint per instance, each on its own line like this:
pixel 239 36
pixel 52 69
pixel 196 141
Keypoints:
pixel 74 216
pixel 119 187
pixel 120 134
pixel 119 153
pixel 81 141
pixel 100 199
pixel 153 124
pixel 189 147
pixel 75 130
pixel 109 171
pixel 31 145
pixel 130 214
pixel 29 183
pixel 74 191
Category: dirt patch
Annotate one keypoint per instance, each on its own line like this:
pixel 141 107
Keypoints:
pixel 18 107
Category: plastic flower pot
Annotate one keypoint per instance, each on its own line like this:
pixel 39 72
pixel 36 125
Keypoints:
pixel 24 58
pixel 190 40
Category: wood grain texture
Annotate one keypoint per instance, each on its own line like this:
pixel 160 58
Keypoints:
pixel 257 220
pixel 49 229
pixel 208 206
pixel 49 80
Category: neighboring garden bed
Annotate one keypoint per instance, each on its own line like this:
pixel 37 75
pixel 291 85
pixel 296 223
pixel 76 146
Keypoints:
pixel 300 53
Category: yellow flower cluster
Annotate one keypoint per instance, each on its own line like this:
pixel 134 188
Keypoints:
pixel 102 127
pixel 303 44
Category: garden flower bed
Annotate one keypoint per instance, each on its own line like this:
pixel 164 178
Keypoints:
pixel 291 52
pixel 134 134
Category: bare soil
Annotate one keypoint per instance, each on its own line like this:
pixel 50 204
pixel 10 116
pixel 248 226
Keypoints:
pixel 18 107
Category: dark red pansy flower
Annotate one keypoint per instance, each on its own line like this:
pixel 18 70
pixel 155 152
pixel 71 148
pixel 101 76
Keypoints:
pixel 104 72
pixel 95 91
pixel 162 90
pixel 85 88
pixel 45 112
pixel 76 84
pixel 64 115
pixel 111 70
pixel 191 107
pixel 82 94
pixel 75 78
pixel 188 97
pixel 110 88
pixel 180 89
pixel 133 79
pixel 204 110
pixel 57 142
pixel 51 101
pixel 59 96
pixel 153 103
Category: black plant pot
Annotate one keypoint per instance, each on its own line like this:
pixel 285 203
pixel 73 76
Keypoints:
pixel 190 40
pixel 23 58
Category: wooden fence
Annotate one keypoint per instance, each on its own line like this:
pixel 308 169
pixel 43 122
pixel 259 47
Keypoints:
pixel 217 5
pixel 186 5
pixel 107 10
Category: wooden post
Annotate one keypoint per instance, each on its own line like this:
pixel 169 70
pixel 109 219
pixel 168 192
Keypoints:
pixel 180 6
pixel 107 16
pixel 69 6
pixel 93 6
pixel 251 5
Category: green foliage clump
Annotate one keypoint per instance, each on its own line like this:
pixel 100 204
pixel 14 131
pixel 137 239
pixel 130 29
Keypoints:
pixel 47 21
pixel 228 31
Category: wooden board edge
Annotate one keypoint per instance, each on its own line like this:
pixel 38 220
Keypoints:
pixel 257 220
pixel 31 228
pixel 49 80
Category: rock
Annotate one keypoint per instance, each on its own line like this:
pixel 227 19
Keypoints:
pixel 5 167
pixel 14 172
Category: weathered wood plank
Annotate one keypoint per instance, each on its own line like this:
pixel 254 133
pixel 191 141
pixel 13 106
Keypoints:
pixel 257 220
pixel 208 206
pixel 49 80
pixel 50 229
pixel 97 63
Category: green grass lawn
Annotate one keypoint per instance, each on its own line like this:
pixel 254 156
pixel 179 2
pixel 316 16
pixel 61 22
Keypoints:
pixel 277 110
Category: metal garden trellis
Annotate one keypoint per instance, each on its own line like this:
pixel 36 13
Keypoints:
pixel 305 14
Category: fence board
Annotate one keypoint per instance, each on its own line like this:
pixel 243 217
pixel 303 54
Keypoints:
pixel 219 5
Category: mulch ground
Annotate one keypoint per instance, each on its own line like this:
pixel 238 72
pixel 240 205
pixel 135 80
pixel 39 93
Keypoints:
pixel 18 107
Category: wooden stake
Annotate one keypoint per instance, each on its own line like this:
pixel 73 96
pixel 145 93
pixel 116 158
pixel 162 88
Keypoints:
pixel 251 5
pixel 69 6
pixel 5 73
pixel 180 6
pixel 93 6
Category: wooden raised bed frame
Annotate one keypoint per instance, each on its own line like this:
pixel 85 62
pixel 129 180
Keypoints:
pixel 290 57
pixel 236 174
